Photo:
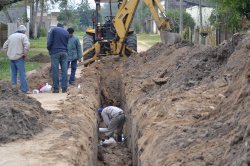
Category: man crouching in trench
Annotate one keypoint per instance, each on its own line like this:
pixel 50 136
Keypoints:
pixel 114 118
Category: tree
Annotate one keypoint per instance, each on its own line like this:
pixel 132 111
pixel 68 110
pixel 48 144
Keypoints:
pixel 174 16
pixel 4 3
pixel 229 13
pixel 67 15
pixel 42 8
pixel 85 14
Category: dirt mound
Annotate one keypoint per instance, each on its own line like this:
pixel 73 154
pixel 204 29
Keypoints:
pixel 40 58
pixel 39 76
pixel 20 115
pixel 189 104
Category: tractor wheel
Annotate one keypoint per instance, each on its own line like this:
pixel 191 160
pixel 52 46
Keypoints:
pixel 131 42
pixel 88 42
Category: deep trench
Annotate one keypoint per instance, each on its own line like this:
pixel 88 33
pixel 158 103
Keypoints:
pixel 111 93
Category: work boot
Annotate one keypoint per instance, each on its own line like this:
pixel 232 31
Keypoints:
pixel 55 91
pixel 64 90
pixel 72 83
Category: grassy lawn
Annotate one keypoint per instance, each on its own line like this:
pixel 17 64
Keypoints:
pixel 37 46
pixel 148 39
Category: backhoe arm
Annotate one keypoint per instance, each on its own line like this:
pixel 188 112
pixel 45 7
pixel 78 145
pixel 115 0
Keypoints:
pixel 161 22
pixel 125 15
pixel 122 22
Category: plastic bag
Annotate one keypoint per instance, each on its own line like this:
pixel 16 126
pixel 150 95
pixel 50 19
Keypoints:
pixel 111 140
pixel 46 88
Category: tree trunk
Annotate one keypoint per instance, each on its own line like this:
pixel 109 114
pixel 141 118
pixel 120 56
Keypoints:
pixel 25 19
pixel 32 21
pixel 35 17
pixel 41 18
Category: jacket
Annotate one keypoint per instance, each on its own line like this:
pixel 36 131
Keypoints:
pixel 110 112
pixel 57 40
pixel 17 46
pixel 74 49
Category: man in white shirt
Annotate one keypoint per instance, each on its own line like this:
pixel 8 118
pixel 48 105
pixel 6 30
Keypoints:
pixel 114 119
pixel 17 47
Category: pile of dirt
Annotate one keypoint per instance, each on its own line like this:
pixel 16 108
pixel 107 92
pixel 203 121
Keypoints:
pixel 189 104
pixel 40 58
pixel 20 115
pixel 39 77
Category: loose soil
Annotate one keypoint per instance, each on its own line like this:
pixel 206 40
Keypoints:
pixel 40 58
pixel 185 105
pixel 20 115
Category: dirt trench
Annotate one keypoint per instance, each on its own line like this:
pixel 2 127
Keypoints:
pixel 185 105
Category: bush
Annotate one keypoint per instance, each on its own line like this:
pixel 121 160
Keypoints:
pixel 43 32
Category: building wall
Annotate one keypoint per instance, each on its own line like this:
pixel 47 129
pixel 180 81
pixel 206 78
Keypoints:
pixel 15 13
pixel 3 33
pixel 195 14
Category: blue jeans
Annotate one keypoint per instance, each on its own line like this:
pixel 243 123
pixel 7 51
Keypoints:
pixel 56 59
pixel 73 70
pixel 19 66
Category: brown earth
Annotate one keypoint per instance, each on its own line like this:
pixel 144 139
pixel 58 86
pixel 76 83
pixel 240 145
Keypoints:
pixel 20 116
pixel 39 76
pixel 185 105
pixel 189 105
pixel 41 58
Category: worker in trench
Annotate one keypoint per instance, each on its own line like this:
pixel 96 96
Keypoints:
pixel 114 119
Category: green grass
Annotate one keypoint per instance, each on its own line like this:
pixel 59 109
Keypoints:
pixel 148 39
pixel 37 46
pixel 5 68
pixel 38 43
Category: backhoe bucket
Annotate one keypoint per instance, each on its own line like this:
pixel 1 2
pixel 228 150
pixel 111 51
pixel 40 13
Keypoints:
pixel 169 37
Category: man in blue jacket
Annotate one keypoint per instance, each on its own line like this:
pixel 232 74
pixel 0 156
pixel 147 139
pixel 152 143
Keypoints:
pixel 57 45
pixel 74 54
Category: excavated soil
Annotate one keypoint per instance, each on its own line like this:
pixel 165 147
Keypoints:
pixel 189 104
pixel 40 58
pixel 20 116
pixel 185 105
pixel 39 77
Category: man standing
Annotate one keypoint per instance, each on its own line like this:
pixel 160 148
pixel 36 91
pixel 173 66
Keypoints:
pixel 114 119
pixel 74 54
pixel 17 47
pixel 57 45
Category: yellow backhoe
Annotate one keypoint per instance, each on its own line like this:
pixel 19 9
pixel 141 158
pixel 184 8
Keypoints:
pixel 115 37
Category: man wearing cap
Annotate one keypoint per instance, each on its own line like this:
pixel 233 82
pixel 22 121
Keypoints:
pixel 57 45
pixel 114 119
pixel 17 47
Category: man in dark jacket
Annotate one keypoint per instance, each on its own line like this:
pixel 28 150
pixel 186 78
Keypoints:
pixel 74 54
pixel 57 45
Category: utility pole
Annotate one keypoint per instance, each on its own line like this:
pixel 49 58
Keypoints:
pixel 203 34
pixel 181 16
